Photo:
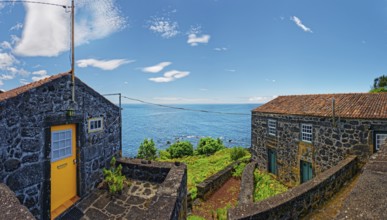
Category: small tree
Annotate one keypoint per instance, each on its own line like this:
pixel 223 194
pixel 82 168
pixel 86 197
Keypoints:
pixel 380 84
pixel 180 149
pixel 114 177
pixel 208 145
pixel 147 150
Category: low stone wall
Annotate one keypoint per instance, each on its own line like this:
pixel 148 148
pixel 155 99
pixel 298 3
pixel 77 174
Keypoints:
pixel 214 182
pixel 170 201
pixel 246 195
pixel 10 207
pixel 302 199
pixel 145 170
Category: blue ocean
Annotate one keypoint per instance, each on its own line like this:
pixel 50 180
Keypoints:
pixel 166 125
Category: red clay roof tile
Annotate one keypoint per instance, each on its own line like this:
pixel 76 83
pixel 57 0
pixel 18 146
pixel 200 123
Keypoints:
pixel 352 105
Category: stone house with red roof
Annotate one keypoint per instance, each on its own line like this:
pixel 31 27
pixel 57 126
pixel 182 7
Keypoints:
pixel 50 156
pixel 297 137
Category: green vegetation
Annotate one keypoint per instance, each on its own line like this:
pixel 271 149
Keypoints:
pixel 238 170
pixel 380 84
pixel 238 152
pixel 147 150
pixel 194 217
pixel 201 167
pixel 114 177
pixel 208 146
pixel 180 149
pixel 221 213
pixel 266 186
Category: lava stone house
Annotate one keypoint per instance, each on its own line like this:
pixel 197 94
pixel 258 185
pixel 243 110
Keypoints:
pixel 297 137
pixel 50 156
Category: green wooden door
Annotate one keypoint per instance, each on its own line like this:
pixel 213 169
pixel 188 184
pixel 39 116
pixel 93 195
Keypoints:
pixel 306 171
pixel 272 166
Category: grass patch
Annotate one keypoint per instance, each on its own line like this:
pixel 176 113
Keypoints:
pixel 266 186
pixel 194 217
pixel 201 167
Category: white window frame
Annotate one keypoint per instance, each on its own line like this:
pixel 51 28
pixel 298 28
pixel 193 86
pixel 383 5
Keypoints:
pixel 60 144
pixel 95 124
pixel 272 127
pixel 379 140
pixel 307 133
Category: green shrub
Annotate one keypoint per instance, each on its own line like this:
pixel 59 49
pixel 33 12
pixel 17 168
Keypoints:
pixel 238 170
pixel 266 186
pixel 114 177
pixel 164 155
pixel 208 146
pixel 194 217
pixel 237 153
pixel 180 149
pixel 147 150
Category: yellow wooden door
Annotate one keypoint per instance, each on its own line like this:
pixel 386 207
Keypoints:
pixel 63 168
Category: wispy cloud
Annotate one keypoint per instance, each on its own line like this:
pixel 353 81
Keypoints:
pixel 230 70
pixel 195 29
pixel 156 68
pixel 46 31
pixel 220 48
pixel 23 81
pixel 17 27
pixel 261 99
pixel 203 89
pixel 38 75
pixel 6 60
pixel 103 64
pixel 6 45
pixel 299 23
pixel 194 40
pixel 170 76
pixel 164 26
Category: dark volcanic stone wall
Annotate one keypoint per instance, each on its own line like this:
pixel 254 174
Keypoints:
pixel 25 122
pixel 330 144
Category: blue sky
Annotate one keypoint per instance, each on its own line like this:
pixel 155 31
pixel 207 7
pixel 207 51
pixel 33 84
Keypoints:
pixel 199 51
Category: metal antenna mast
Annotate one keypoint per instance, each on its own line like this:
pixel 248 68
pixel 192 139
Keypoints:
pixel 72 54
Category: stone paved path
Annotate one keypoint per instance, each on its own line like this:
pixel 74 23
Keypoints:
pixel 132 204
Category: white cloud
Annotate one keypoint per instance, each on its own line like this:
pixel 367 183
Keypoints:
pixel 299 23
pixel 46 30
pixel 230 70
pixel 37 78
pixel 14 39
pixel 15 71
pixel 17 27
pixel 6 45
pixel 103 64
pixel 156 68
pixel 6 60
pixel 164 26
pixel 261 99
pixel 23 81
pixel 194 29
pixel 40 73
pixel 170 76
pixel 6 77
pixel 220 48
pixel 194 40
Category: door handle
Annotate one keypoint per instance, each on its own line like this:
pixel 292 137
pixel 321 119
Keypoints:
pixel 62 166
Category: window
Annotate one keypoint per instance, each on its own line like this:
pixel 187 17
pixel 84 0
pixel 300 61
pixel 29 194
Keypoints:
pixel 306 132
pixel 95 124
pixel 306 171
pixel 272 161
pixel 380 140
pixel 61 144
pixel 272 125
